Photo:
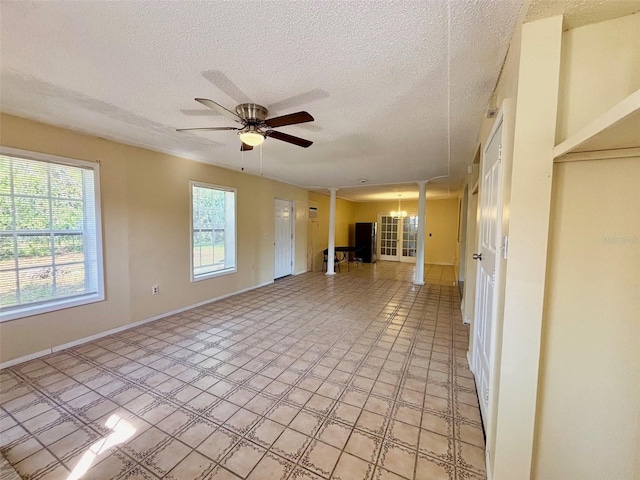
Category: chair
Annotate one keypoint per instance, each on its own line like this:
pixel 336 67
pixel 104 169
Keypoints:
pixel 355 258
pixel 325 259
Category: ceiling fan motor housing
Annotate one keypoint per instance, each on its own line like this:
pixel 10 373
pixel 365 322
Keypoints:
pixel 252 113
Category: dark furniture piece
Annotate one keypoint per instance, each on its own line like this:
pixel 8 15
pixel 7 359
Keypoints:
pixel 366 239
pixel 347 255
pixel 325 260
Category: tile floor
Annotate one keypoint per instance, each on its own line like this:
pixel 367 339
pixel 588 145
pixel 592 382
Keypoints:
pixel 358 376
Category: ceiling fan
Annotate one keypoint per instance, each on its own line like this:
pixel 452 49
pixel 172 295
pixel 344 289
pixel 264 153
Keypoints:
pixel 255 125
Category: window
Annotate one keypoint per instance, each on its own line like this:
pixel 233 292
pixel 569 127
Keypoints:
pixel 50 233
pixel 213 230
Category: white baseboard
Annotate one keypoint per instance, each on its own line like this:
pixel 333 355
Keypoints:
pixel 80 341
pixel 470 362
pixel 97 336
pixel 25 358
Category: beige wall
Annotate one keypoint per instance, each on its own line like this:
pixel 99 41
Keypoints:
pixel 589 401
pixel 145 214
pixel 319 226
pixel 588 416
pixel 369 211
pixel 441 232
pixel 601 64
pixel 344 221
pixel 441 226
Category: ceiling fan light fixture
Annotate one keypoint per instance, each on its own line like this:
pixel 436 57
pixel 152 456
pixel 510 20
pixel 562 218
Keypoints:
pixel 251 136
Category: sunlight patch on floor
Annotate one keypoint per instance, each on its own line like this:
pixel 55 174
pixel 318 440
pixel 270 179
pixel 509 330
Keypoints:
pixel 122 430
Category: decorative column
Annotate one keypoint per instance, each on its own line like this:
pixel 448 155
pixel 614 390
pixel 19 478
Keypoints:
pixel 422 218
pixel 332 232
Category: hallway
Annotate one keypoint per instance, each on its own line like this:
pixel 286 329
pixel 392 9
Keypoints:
pixel 356 376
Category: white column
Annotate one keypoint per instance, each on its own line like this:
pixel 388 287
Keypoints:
pixel 422 218
pixel 332 232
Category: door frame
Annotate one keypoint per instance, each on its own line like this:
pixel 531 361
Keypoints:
pixel 398 257
pixel 462 241
pixel 292 210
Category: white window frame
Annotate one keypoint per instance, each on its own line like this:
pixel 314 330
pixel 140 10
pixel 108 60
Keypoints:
pixel 13 313
pixel 225 271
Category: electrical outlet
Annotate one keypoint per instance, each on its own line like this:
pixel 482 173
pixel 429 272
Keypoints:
pixel 155 290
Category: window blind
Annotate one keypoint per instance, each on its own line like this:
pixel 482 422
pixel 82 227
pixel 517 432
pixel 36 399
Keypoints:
pixel 49 245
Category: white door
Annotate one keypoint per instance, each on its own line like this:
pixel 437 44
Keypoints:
pixel 398 238
pixel 283 239
pixel 488 262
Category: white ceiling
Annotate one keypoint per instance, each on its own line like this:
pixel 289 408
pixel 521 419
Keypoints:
pixel 398 89
pixel 581 12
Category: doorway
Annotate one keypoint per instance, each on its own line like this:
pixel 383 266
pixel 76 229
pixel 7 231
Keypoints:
pixel 398 238
pixel 283 240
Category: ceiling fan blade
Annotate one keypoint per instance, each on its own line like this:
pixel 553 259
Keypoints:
pixel 301 142
pixel 291 119
pixel 219 108
pixel 244 147
pixel 206 128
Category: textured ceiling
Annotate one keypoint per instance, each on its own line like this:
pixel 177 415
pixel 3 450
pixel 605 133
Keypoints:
pixel 581 12
pixel 398 89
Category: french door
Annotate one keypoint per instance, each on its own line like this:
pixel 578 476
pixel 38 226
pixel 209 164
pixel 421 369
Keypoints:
pixel 398 238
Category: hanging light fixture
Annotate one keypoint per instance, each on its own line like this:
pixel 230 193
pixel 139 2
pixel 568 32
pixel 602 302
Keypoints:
pixel 399 213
